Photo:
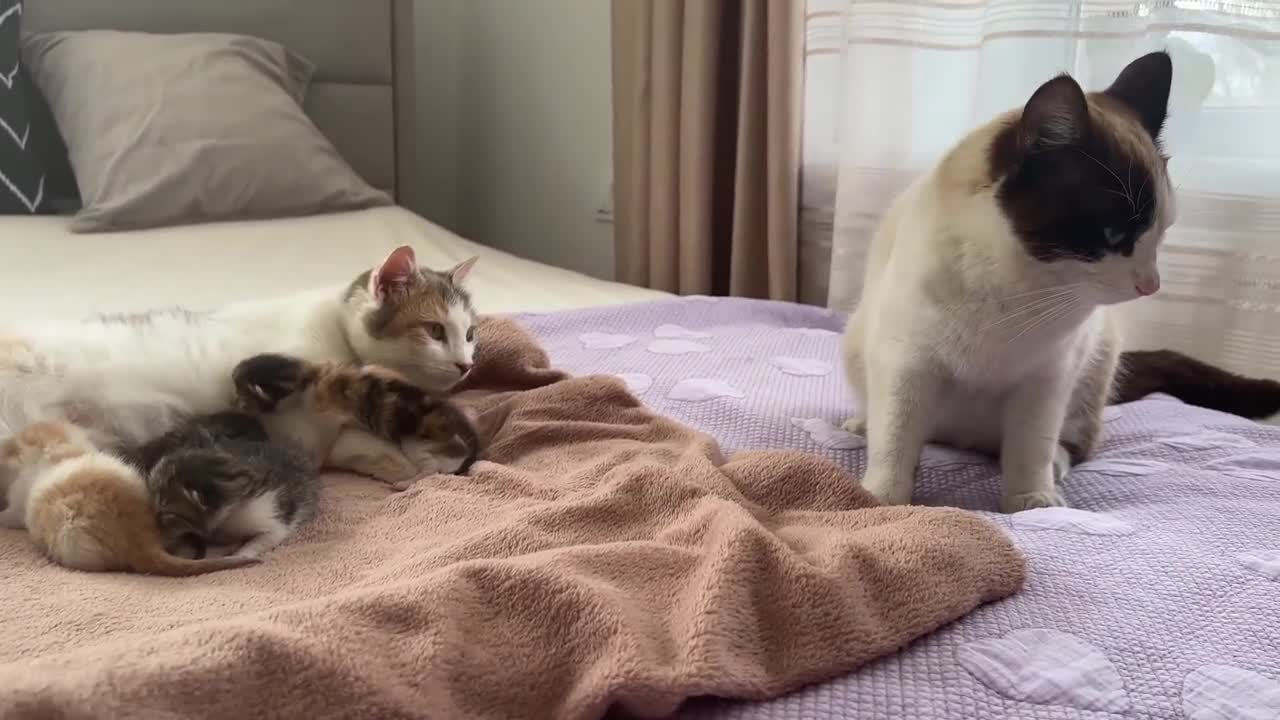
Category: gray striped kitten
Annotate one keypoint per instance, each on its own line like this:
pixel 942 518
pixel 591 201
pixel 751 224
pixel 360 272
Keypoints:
pixel 219 480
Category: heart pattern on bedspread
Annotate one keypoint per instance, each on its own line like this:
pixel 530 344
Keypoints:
pixel 1154 597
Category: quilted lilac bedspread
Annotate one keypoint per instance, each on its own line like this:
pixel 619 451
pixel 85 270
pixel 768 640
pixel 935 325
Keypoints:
pixel 1156 596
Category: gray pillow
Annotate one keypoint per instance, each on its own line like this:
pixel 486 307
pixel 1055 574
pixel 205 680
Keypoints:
pixel 182 128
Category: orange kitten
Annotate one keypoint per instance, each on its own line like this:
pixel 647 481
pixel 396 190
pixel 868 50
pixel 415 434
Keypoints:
pixel 86 509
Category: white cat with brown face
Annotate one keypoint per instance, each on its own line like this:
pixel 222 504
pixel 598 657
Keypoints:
pixel 130 378
pixel 983 321
pixel 413 319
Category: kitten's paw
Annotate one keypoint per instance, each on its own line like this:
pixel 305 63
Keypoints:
pixel 221 550
pixel 433 458
pixel 1031 500
pixel 889 492
pixel 397 475
pixel 855 425
pixel 262 381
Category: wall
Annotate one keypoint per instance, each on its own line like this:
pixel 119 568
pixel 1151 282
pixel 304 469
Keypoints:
pixel 516 125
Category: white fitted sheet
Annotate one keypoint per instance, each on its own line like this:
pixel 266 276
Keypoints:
pixel 47 271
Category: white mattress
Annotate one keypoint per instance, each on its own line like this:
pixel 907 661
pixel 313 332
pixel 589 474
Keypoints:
pixel 45 270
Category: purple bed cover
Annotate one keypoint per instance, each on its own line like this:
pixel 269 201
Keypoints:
pixel 1157 595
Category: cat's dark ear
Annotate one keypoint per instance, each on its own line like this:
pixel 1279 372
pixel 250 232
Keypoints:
pixel 459 272
pixel 1056 115
pixel 1144 86
pixel 392 277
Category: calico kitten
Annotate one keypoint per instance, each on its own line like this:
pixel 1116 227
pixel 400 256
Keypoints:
pixel 87 509
pixel 983 320
pixel 249 476
pixel 290 392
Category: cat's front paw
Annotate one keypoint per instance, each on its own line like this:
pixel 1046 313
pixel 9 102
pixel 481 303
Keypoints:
pixel 888 490
pixel 1018 502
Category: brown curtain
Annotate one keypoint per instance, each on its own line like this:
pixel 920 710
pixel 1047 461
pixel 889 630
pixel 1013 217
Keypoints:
pixel 706 138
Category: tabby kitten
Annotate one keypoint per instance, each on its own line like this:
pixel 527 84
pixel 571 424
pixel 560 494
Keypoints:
pixel 220 480
pixel 249 476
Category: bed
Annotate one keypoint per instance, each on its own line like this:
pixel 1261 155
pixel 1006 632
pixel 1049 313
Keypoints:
pixel 361 98
pixel 1155 597
pixel 216 263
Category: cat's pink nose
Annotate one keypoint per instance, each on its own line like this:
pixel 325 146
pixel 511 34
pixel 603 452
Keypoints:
pixel 1146 283
pixel 463 368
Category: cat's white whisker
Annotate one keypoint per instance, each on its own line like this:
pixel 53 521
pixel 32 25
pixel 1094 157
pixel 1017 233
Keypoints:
pixel 1041 291
pixel 1027 308
pixel 1046 317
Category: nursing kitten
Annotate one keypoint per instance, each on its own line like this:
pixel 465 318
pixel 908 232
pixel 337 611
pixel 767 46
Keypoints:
pixel 248 478
pixel 87 509
pixel 292 394
pixel 983 321
pixel 218 480
pixel 129 379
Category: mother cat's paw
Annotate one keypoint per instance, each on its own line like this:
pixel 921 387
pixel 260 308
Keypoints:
pixel 1031 500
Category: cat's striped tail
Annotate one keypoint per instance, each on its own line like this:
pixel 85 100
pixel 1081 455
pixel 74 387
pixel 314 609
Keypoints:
pixel 1194 382
pixel 374 398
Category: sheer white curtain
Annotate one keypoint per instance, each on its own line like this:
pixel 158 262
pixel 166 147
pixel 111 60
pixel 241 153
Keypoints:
pixel 889 86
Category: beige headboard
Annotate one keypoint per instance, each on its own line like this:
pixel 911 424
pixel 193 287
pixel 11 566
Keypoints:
pixel 361 96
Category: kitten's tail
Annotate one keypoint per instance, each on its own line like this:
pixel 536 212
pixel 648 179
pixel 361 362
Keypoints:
pixel 374 398
pixel 1194 382
pixel 97 547
pixel 155 560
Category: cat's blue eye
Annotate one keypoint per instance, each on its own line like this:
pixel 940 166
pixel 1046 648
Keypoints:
pixel 435 330
pixel 1113 236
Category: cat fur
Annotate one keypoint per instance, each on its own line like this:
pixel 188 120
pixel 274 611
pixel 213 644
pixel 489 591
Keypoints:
pixel 87 509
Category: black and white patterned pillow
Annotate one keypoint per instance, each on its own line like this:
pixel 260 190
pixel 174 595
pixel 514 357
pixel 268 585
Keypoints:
pixel 22 175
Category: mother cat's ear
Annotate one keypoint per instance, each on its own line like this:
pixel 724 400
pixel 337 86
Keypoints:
pixel 459 272
pixel 1143 86
pixel 391 278
pixel 1057 115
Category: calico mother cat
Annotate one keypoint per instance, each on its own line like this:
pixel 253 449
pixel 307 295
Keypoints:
pixel 128 379
pixel 983 321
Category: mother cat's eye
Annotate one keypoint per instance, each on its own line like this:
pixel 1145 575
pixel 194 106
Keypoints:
pixel 435 330
pixel 471 334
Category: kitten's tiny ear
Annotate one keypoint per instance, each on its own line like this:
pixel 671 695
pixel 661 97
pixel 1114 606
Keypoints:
pixel 392 277
pixel 459 272
pixel 1144 87
pixel 1057 114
